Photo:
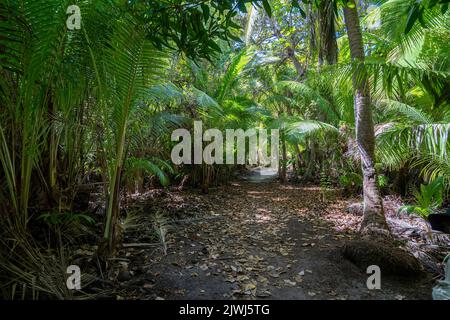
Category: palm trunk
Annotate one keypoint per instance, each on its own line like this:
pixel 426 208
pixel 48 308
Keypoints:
pixel 309 174
pixel 283 172
pixel 374 220
pixel 112 232
pixel 327 31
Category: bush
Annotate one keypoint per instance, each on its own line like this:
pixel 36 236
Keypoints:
pixel 428 199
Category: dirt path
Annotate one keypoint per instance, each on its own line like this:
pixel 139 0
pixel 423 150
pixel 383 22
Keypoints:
pixel 258 241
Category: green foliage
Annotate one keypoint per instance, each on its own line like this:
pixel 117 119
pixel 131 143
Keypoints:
pixel 427 200
pixel 134 165
pixel 193 27
pixel 351 181
pixel 382 181
pixel 418 10
pixel 65 218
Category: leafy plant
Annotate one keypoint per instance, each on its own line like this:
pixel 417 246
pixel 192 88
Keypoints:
pixel 428 199
pixel 382 181
pixel 134 165
pixel 65 218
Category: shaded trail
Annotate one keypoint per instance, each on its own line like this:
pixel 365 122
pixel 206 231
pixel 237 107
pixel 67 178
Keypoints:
pixel 259 241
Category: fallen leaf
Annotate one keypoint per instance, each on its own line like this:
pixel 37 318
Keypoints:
pixel 290 283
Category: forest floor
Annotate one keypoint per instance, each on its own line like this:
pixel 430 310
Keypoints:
pixel 252 239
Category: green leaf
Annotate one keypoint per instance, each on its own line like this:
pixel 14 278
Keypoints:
pixel 267 7
pixel 413 15
pixel 432 3
pixel 421 19
pixel 241 6
pixel 233 24
pixel 303 13
pixel 214 46
pixel 206 13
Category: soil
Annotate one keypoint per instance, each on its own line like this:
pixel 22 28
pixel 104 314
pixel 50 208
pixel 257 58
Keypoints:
pixel 253 239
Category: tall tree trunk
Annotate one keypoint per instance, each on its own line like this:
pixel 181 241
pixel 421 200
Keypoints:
pixel 374 221
pixel 298 66
pixel 283 172
pixel 310 170
pixel 327 32
pixel 312 31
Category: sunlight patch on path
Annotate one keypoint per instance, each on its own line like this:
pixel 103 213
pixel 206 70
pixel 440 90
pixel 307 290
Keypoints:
pixel 261 175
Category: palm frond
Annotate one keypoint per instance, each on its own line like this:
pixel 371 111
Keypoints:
pixel 408 112
pixel 298 130
pixel 312 95
pixel 233 73
pixel 134 164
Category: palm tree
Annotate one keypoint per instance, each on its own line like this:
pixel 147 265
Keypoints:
pixel 327 33
pixel 132 71
pixel 416 137
pixel 374 220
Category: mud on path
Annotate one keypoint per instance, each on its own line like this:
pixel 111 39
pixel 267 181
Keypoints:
pixel 256 241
